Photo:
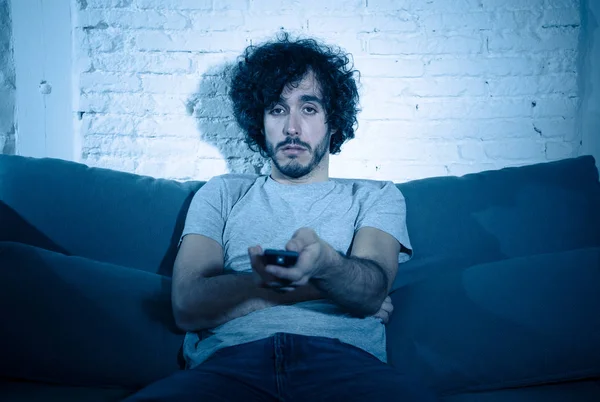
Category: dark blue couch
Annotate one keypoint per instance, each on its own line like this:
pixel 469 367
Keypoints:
pixel 501 301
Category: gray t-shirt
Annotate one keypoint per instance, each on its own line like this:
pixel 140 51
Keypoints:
pixel 239 211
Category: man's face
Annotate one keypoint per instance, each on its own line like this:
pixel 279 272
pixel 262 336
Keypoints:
pixel 297 136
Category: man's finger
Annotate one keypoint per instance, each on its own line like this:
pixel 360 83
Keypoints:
pixel 300 239
pixel 290 274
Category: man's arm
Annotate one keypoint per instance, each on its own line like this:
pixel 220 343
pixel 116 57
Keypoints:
pixel 359 283
pixel 203 297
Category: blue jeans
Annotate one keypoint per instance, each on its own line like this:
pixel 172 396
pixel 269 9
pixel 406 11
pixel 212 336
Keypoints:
pixel 287 367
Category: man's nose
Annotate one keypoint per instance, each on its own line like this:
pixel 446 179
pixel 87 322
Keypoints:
pixel 292 125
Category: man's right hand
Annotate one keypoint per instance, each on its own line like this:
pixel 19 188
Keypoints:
pixel 262 277
pixel 385 311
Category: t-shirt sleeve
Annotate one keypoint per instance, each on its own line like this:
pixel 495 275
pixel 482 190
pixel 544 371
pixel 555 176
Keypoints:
pixel 206 214
pixel 385 209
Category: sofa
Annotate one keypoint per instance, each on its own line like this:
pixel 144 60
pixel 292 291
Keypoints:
pixel 501 301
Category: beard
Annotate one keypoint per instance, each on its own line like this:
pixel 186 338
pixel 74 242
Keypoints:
pixel 293 168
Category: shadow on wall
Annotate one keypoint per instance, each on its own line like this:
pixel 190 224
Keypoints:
pixel 213 111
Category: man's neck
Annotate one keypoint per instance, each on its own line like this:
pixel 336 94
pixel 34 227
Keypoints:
pixel 318 175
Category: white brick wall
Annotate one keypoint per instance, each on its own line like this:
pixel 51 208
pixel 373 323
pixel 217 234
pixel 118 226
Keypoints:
pixel 7 82
pixel 448 86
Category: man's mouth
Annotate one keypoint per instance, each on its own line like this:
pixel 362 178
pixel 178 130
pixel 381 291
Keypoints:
pixel 293 147
pixel 292 150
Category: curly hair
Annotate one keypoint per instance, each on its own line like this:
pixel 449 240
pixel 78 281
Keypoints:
pixel 263 71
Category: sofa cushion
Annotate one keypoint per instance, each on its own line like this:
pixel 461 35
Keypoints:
pixel 570 391
pixel 521 321
pixel 76 321
pixel 22 391
pixel 455 222
pixel 102 214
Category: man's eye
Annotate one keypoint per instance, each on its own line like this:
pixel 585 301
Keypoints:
pixel 277 110
pixel 310 110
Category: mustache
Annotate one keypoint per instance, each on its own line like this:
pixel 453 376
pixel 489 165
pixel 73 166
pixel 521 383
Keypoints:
pixel 293 142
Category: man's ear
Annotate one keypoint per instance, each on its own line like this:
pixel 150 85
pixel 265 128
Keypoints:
pixel 331 134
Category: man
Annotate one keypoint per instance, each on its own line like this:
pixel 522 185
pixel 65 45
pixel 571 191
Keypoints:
pixel 315 330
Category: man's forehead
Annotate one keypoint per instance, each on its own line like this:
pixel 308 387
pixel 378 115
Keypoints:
pixel 307 86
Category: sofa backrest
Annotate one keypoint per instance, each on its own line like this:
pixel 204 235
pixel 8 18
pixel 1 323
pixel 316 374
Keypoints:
pixel 102 214
pixel 455 222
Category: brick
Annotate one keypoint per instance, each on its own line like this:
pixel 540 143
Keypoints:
pixel 419 5
pixel 358 23
pixel 320 7
pixel 435 44
pixel 141 62
pixel 134 19
pixel 216 21
pixel 213 64
pixel 166 147
pixel 274 22
pixel 445 5
pixel 175 104
pixel 555 107
pixel 481 66
pixel 190 41
pixel 227 147
pixel 561 61
pixel 504 128
pixel 472 151
pixel 449 129
pixel 397 22
pixel 326 23
pixel 452 108
pixel 110 124
pixel 387 5
pixel 375 108
pixel 474 22
pixel 123 103
pixel 386 130
pixel 106 40
pixel 560 150
pixel 561 17
pixel 515 150
pixel 564 84
pixel 403 150
pixel 168 126
pixel 231 5
pixel 424 87
pixel 175 4
pixel 215 129
pixel 442 87
pixel 563 3
pixel 100 82
pixel 110 145
pixel 564 128
pixel 389 67
pixel 109 3
pixel 213 107
pixel 170 84
pixel 512 4
pixel 546 40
